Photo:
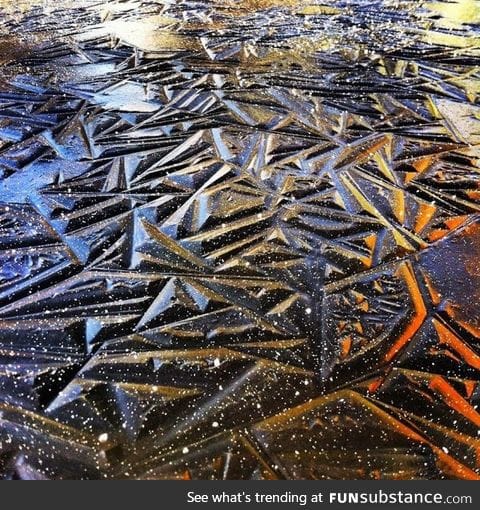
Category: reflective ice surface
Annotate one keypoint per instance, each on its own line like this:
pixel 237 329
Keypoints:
pixel 239 239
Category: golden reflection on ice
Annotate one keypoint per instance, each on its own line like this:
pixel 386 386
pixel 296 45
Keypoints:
pixel 260 4
pixel 302 7
pixel 454 17
pixel 457 12
pixel 153 33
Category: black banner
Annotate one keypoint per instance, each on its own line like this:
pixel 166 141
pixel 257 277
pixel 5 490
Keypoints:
pixel 222 495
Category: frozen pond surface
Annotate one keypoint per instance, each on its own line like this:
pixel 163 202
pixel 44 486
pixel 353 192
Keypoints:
pixel 239 239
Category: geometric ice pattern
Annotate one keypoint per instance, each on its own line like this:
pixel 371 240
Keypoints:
pixel 239 239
